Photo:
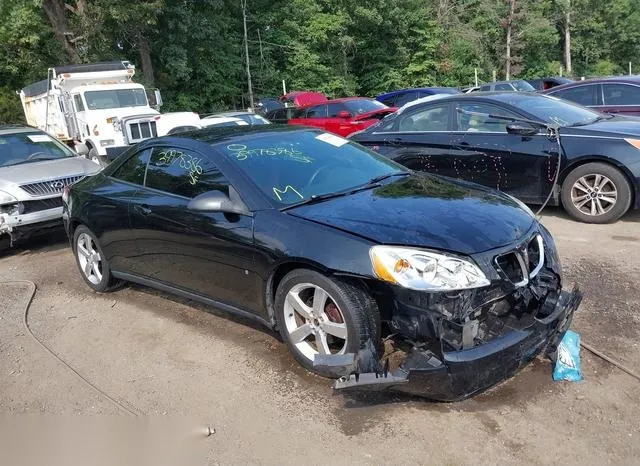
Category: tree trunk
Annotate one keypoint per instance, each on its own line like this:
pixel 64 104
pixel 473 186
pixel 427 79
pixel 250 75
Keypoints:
pixel 55 10
pixel 145 60
pixel 507 66
pixel 246 52
pixel 567 39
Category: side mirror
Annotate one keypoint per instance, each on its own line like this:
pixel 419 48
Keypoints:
pixel 217 201
pixel 344 114
pixel 521 129
pixel 158 98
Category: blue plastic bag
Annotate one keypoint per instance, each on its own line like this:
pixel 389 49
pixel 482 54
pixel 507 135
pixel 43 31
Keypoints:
pixel 568 362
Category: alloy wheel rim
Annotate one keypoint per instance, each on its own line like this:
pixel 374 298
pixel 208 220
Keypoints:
pixel 594 194
pixel 89 258
pixel 314 321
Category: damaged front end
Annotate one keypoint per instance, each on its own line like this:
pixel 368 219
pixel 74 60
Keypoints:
pixel 451 345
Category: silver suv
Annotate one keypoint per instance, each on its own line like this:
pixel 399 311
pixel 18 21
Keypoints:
pixel 34 170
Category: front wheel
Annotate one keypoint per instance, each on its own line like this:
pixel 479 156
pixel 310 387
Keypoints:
pixel 596 193
pixel 95 157
pixel 321 315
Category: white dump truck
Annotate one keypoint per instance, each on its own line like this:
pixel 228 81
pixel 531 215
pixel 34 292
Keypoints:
pixel 97 108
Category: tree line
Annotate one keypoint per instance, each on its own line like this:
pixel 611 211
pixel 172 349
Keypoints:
pixel 195 50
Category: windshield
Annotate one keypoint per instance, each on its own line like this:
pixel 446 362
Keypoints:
pixel 18 148
pixel 290 167
pixel 557 111
pixel 523 86
pixel 115 98
pixel 358 106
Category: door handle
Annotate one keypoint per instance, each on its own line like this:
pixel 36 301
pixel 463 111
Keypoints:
pixel 394 141
pixel 143 209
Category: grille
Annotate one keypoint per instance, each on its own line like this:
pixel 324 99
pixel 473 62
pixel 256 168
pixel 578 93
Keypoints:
pixel 41 204
pixel 142 130
pixel 45 188
pixel 524 263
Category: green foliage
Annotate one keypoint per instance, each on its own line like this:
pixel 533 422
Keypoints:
pixel 195 51
pixel 10 107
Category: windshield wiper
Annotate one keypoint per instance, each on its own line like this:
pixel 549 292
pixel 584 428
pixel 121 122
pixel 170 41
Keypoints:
pixel 372 183
pixel 316 198
pixel 380 178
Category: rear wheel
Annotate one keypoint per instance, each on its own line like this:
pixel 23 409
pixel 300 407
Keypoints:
pixel 321 315
pixel 596 193
pixel 91 261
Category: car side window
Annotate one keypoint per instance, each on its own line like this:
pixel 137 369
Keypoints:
pixel 184 173
pixel 485 88
pixel 621 94
pixel 406 98
pixel 334 109
pixel 503 87
pixel 583 95
pixel 468 120
pixel 78 101
pixel 319 111
pixel 388 101
pixel 133 170
pixel 434 118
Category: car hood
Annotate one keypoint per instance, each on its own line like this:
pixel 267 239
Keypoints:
pixel 46 170
pixel 423 210
pixel 377 114
pixel 617 126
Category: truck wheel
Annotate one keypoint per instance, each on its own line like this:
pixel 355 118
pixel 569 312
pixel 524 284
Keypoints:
pixel 95 157
pixel 596 193
pixel 321 315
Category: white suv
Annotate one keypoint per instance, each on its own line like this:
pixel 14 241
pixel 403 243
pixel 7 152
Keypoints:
pixel 34 170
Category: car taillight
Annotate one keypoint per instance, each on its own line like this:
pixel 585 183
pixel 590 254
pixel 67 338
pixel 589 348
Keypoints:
pixel 65 193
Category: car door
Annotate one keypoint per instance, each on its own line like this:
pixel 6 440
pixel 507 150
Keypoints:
pixel 109 216
pixel 207 253
pixel 520 165
pixel 336 124
pixel 312 116
pixel 420 139
pixel 621 98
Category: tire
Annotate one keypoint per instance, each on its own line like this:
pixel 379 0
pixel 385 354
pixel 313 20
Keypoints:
pixel 608 189
pixel 95 157
pixel 92 264
pixel 348 310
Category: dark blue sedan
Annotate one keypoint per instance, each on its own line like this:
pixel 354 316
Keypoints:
pixel 403 96
pixel 513 141
pixel 384 277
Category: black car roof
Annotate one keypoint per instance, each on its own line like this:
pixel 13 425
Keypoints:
pixel 214 135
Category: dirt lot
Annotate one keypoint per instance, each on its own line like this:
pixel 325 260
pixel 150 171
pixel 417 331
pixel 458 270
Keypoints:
pixel 164 356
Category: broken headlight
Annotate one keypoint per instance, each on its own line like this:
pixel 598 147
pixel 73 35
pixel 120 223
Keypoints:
pixel 421 270
pixel 9 204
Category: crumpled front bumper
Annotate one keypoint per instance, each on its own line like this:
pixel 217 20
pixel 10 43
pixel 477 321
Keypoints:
pixel 464 373
pixel 19 225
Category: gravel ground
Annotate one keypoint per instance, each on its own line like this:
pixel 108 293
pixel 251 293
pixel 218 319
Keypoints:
pixel 165 357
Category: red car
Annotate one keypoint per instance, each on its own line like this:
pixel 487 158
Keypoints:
pixel 342 116
pixel 303 98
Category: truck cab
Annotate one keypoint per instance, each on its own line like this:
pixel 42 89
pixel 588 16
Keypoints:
pixel 92 107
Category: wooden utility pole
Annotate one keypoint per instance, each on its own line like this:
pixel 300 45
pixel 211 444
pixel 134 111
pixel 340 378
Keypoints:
pixel 512 10
pixel 246 51
pixel 567 37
